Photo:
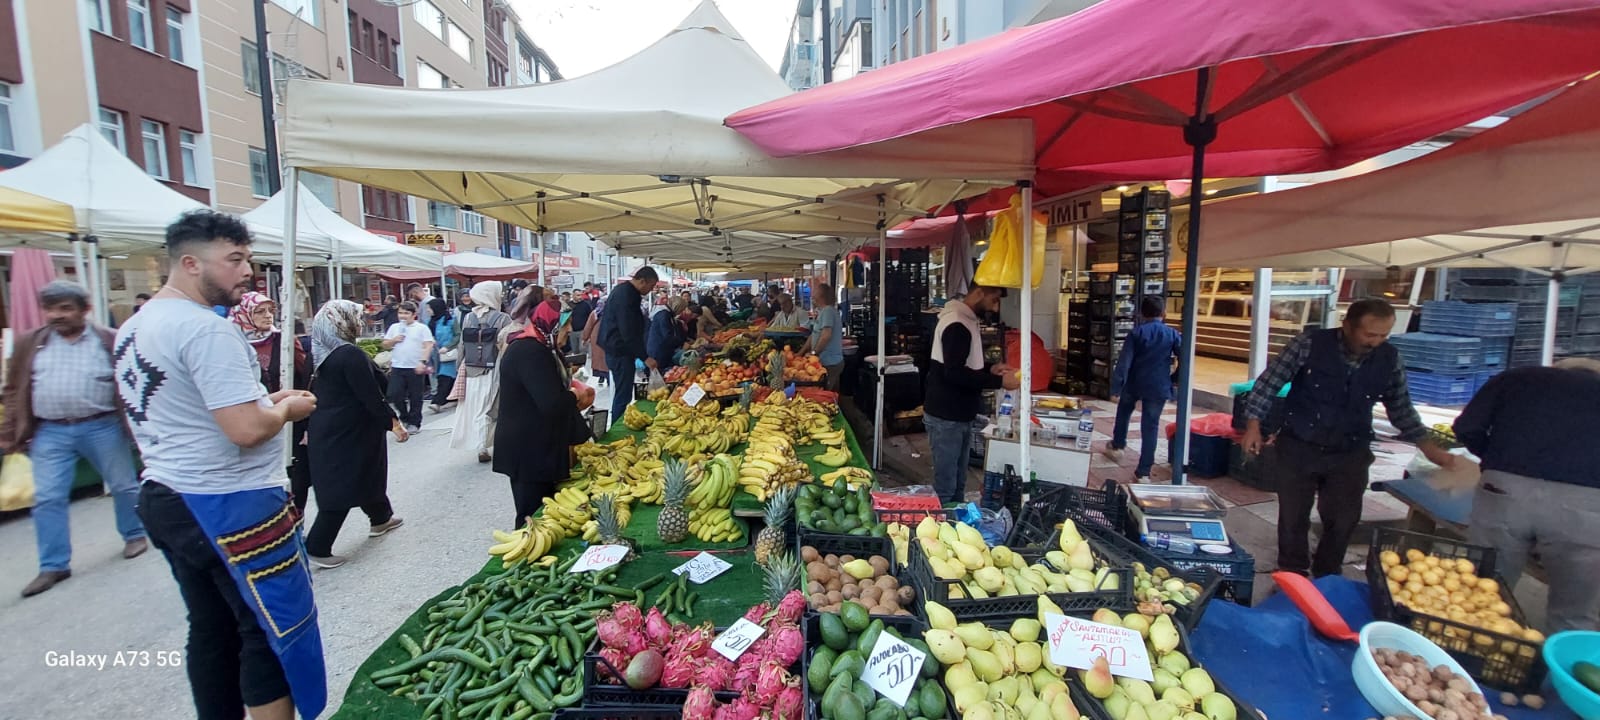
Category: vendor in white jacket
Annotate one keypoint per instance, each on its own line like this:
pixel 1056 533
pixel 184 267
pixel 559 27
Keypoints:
pixel 956 381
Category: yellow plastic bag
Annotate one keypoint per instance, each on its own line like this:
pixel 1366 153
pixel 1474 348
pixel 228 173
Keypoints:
pixel 16 483
pixel 1003 262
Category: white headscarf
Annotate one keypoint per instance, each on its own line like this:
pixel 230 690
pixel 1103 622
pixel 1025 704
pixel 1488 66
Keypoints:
pixel 486 295
pixel 338 323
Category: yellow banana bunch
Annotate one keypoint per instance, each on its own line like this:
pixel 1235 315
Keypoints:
pixel 834 457
pixel 658 394
pixel 715 525
pixel 635 418
pixel 525 544
pixel 567 511
pixel 854 477
pixel 833 438
pixel 716 484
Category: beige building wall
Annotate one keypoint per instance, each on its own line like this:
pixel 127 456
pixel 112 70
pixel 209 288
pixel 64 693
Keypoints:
pixel 57 59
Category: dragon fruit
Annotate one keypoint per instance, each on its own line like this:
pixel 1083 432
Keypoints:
pixel 679 671
pixel 657 629
pixel 770 681
pixel 700 705
pixel 612 633
pixel 637 643
pixel 693 642
pixel 716 673
pixel 740 709
pixel 628 615
pixel 618 659
pixel 744 677
pixel 758 613
pixel 786 645
pixel 791 607
pixel 790 704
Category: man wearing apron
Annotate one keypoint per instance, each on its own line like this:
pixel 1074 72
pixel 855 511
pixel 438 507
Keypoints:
pixel 212 495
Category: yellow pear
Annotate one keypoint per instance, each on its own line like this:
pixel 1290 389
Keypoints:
pixel 1023 629
pixel 971 558
pixel 1006 654
pixel 1049 688
pixel 1047 606
pixel 975 590
pixel 970 535
pixel 1069 535
pixel 989 578
pixel 939 616
pixel 1025 697
pixel 947 534
pixel 1057 558
pixel 1001 555
pixel 984 664
pixel 933 548
pixel 1004 690
pixel 974 635
pixel 1030 656
pixel 959 675
pixel 1018 562
pixel 946 646
pixel 1097 680
pixel 928 529
pixel 1106 616
pixel 1080 558
pixel 970 697
pixel 1061 708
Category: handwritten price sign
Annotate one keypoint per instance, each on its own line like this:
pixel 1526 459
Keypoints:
pixel 893 668
pixel 736 639
pixel 599 557
pixel 702 568
pixel 694 395
pixel 1076 643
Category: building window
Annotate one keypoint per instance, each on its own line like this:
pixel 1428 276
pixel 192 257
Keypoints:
pixel 351 28
pixel 8 139
pixel 367 46
pixel 429 16
pixel 460 42
pixel 189 157
pixel 471 222
pixel 250 67
pixel 111 128
pixel 99 12
pixel 139 24
pixel 382 50
pixel 153 139
pixel 306 9
pixel 260 174
pixel 387 204
pixel 175 35
pixel 323 187
pixel 429 77
pixel 441 215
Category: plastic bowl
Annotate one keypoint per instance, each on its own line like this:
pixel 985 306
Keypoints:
pixel 1563 650
pixel 1370 680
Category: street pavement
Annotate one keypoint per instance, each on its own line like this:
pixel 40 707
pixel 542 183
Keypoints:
pixel 130 610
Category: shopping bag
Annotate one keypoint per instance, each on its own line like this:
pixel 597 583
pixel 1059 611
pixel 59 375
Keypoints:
pixel 16 483
pixel 1003 243
pixel 656 382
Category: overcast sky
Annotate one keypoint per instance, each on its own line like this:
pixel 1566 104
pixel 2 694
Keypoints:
pixel 586 35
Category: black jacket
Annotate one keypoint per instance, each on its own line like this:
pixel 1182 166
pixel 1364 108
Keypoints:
pixel 539 418
pixel 581 310
pixel 348 452
pixel 622 323
pixel 955 391
pixel 1526 421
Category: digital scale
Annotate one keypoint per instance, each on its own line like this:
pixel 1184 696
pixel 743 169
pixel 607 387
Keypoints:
pixel 1186 511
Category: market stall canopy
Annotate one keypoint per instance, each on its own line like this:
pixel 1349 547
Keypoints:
pixel 638 146
pixel 114 199
pixel 935 231
pixel 24 212
pixel 1295 85
pixel 323 235
pixel 470 267
pixel 1521 195
pixel 698 251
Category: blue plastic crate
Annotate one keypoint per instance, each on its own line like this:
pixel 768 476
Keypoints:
pixel 1439 353
pixel 1496 353
pixel 1453 317
pixel 1442 389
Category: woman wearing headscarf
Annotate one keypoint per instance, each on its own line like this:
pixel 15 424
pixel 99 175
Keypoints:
pixel 591 333
pixel 481 344
pixel 539 417
pixel 254 316
pixel 349 458
pixel 447 344
pixel 665 335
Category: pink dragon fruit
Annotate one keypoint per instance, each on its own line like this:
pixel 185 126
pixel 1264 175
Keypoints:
pixel 744 677
pixel 611 632
pixel 693 642
pixel 758 613
pixel 770 681
pixel 628 615
pixel 791 607
pixel 716 673
pixel 679 671
pixel 787 644
pixel 790 704
pixel 739 709
pixel 657 628
pixel 700 705
pixel 637 643
pixel 618 660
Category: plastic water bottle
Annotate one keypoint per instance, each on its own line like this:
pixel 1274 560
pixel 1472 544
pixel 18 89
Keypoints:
pixel 1085 430
pixel 1164 541
pixel 1007 406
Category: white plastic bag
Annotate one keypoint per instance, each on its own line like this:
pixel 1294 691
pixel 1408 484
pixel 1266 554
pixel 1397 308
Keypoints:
pixel 656 382
pixel 16 483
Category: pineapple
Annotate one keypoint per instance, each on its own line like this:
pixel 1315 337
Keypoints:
pixel 781 574
pixel 775 372
pixel 769 543
pixel 607 517
pixel 745 396
pixel 673 523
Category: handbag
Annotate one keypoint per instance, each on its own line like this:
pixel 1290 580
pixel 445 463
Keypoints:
pixel 448 355
pixel 16 482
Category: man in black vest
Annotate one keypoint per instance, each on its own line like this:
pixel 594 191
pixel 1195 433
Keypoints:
pixel 1323 452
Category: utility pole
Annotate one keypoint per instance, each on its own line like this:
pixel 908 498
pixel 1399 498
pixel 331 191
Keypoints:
pixel 269 127
pixel 827 41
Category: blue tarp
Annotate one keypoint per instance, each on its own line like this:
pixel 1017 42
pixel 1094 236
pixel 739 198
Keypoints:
pixel 1271 657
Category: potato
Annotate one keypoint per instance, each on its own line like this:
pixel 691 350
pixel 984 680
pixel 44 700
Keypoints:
pixel 850 592
pixel 880 564
pixel 819 600
pixel 906 595
pixel 815 587
pixel 846 558
pixel 871 593
pixel 884 610
pixel 834 585
pixel 809 554
pixel 887 583
pixel 835 597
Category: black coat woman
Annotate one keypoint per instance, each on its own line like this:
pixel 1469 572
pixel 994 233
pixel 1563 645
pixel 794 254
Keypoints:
pixel 539 418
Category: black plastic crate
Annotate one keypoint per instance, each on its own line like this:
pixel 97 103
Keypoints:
pixel 1125 552
pixel 597 692
pixel 1503 662
pixel 1092 709
pixel 1238 570
pixel 937 590
pixel 1041 513
pixel 862 547
pixel 620 712
pixel 907 627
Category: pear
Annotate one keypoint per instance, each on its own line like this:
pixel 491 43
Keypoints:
pixel 1030 656
pixel 946 646
pixel 1137 623
pixel 939 616
pixel 928 529
pixel 969 697
pixel 989 578
pixel 1001 555
pixel 959 675
pixel 945 569
pixel 1023 629
pixel 1057 558
pixel 969 535
pixel 957 592
pixel 1179 697
pixel 1018 562
pixel 1164 680
pixel 1217 706
pixel 1138 690
pixel 1163 634
pixel 975 635
pixel 1004 690
pixel 1198 683
pixel 976 591
pixel 1104 580
pixel 947 534
pixel 1106 616
pixel 1040 710
pixel 980 710
pixel 984 664
pixel 1025 697
pixel 1098 680
pixel 1192 715
pixel 1069 535
pixel 1006 654
pixel 1162 710
pixel 1080 558
pixel 1061 708
pixel 1007 588
pixel 1024 584
pixel 1136 712
pixel 1050 689
pixel 1047 606
pixel 969 556
pixel 1173 662
pixel 858 569
pixel 1117 705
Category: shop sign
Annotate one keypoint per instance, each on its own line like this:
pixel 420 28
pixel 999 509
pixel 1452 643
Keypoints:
pixel 566 262
pixel 893 668
pixel 428 239
pixel 1075 210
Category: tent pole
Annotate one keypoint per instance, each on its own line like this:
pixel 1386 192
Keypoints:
pixel 291 221
pixel 1025 342
pixel 1198 133
pixel 1552 307
pixel 540 220
pixel 1330 317
pixel 103 279
pixel 883 335
pixel 1260 322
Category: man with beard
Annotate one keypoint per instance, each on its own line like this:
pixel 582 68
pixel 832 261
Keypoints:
pixel 61 405
pixel 1323 452
pixel 213 497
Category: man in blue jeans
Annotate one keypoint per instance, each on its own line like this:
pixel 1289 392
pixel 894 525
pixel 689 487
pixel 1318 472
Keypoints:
pixel 61 404
pixel 1143 376
pixel 957 377
pixel 622 335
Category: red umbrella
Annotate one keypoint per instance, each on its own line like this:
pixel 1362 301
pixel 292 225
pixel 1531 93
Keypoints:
pixel 1128 90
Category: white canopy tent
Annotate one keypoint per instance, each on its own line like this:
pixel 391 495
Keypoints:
pixel 1520 195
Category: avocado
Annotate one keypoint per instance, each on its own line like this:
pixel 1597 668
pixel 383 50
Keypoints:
pixel 855 616
pixel 930 666
pixel 931 696
pixel 880 530
pixel 849 664
pixel 837 688
pixel 834 634
pixel 913 703
pixel 818 672
pixel 869 637
pixel 846 706
pixel 860 532
pixel 1588 675
pixel 867 695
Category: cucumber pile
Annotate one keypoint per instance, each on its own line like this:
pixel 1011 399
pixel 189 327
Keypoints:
pixel 834 670
pixel 507 647
pixel 838 510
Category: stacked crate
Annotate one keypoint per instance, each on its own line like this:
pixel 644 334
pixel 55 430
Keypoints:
pixel 1460 347
pixel 1143 245
pixel 1577 327
pixel 1111 317
pixel 1079 361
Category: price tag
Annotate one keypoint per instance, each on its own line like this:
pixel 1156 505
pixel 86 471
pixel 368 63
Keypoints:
pixel 735 640
pixel 694 395
pixel 702 568
pixel 893 668
pixel 599 557
pixel 1076 643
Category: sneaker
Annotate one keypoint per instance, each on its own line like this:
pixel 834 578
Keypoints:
pixel 484 457
pixel 1111 453
pixel 330 562
pixel 384 527
pixel 435 409
pixel 135 547
pixel 413 429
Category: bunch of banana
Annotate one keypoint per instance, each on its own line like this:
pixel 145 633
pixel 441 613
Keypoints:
pixel 644 481
pixel 852 476
pixel 769 464
pixel 834 457
pixel 658 394
pixel 831 438
pixel 715 525
pixel 635 418
pixel 525 544
pixel 567 511
pixel 714 488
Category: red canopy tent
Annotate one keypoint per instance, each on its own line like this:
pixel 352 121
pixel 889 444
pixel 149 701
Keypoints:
pixel 1127 91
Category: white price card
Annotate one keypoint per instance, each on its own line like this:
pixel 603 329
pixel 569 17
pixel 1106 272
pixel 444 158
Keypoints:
pixel 1076 643
pixel 599 557
pixel 736 639
pixel 893 668
pixel 702 568
pixel 694 395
